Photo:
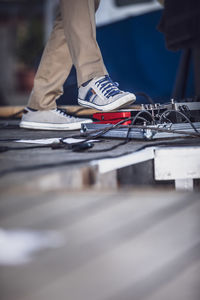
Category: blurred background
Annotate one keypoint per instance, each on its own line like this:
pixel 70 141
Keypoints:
pixel 134 50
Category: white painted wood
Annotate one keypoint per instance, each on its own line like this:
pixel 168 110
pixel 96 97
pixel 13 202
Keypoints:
pixel 107 165
pixel 184 184
pixel 177 163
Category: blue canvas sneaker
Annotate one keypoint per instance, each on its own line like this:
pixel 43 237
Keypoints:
pixel 103 94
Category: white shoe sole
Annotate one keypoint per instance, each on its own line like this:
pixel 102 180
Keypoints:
pixel 50 126
pixel 122 102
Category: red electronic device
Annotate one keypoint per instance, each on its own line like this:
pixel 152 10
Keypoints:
pixel 112 117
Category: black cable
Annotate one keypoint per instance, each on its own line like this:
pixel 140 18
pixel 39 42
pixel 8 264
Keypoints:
pixel 143 119
pixel 6 148
pixel 127 140
pixel 142 94
pixel 180 113
pixel 76 147
pixel 167 119
pixel 192 134
pixel 74 162
pixel 134 120
pixel 109 149
pixel 82 146
pixel 64 145
pixel 101 132
pixel 144 111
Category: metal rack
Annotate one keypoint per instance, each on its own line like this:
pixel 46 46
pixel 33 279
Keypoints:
pixel 151 132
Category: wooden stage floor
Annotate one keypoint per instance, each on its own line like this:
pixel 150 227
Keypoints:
pixel 108 245
pixel 68 232
pixel 44 168
pixel 33 167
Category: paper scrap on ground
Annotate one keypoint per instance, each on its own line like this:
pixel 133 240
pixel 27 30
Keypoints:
pixel 54 140
pixel 18 246
pixel 72 140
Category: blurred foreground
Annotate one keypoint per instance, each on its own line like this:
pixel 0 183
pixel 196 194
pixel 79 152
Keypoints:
pixel 101 246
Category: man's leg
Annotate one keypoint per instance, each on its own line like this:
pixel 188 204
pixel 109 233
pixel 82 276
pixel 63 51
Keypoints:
pixel 73 41
pixel 96 89
pixel 78 18
pixel 53 70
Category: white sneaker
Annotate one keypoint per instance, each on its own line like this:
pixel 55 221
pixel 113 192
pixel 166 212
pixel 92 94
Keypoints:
pixel 103 94
pixel 55 119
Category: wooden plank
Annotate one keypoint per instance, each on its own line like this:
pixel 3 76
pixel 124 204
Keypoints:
pixel 7 111
pixel 124 245
pixel 177 163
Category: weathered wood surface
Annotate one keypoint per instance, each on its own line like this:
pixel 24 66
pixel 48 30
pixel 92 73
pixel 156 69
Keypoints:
pixel 129 245
pixel 116 244
pixel 46 168
pixel 6 111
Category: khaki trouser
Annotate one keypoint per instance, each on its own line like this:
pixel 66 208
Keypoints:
pixel 72 42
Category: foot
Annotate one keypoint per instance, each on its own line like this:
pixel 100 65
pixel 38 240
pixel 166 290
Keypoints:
pixel 103 94
pixel 55 119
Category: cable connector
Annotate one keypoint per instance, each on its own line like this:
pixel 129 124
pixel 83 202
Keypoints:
pixel 76 147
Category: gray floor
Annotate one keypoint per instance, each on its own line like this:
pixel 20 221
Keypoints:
pixel 112 245
pixel 71 234
pixel 26 167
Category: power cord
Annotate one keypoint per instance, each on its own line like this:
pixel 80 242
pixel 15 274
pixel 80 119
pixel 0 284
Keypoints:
pixel 127 140
pixel 176 142
pixel 76 147
pixel 85 145
pixel 169 111
pixel 142 94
